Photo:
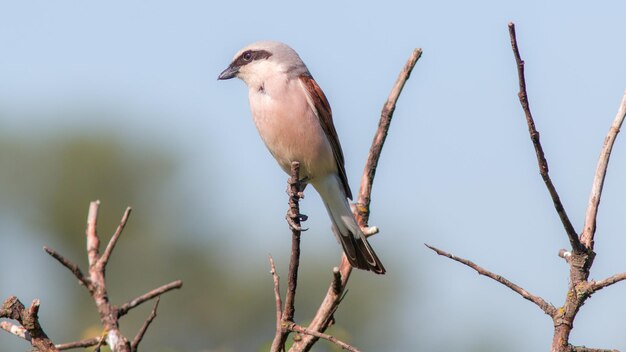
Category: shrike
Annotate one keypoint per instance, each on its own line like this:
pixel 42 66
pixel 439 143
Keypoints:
pixel 294 120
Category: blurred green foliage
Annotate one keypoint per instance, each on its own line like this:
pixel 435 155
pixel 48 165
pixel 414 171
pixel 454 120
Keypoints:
pixel 46 184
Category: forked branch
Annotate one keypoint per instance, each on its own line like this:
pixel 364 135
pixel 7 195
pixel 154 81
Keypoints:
pixel 96 285
pixel 580 259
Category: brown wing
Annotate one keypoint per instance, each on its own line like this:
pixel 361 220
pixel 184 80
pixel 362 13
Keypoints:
pixel 324 114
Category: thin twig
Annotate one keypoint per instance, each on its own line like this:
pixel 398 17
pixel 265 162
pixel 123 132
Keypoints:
pixel 534 136
pixel 80 344
pixel 297 328
pixel 109 249
pixel 598 182
pixel 70 266
pixel 369 171
pixel 587 349
pixel 124 308
pixel 279 314
pixel 102 342
pixel 540 302
pixel 598 285
pixel 144 327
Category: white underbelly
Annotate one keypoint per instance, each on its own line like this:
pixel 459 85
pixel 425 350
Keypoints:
pixel 292 132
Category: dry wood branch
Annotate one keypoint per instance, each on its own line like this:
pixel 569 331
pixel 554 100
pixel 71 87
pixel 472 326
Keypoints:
pixel 598 182
pixel 14 329
pixel 70 266
pixel 587 349
pixel 96 284
pixel 93 241
pixel 113 241
pixel 294 209
pixel 324 315
pixel 297 328
pixel 580 258
pixel 598 285
pixel 134 345
pixel 30 329
pixel 294 219
pixel 80 344
pixel 124 308
pixel 534 136
pixel 369 171
pixel 108 314
pixel 540 302
pixel 279 312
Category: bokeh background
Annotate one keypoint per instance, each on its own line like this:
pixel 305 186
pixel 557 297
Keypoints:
pixel 119 101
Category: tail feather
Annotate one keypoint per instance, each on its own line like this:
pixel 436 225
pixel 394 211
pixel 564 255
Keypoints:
pixel 358 251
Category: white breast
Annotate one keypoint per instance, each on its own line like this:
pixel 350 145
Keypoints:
pixel 289 127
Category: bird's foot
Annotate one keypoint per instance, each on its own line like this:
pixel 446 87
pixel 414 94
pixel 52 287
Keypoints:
pixel 300 186
pixel 295 220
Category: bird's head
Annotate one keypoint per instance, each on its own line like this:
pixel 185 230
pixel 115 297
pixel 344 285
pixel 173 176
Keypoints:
pixel 258 61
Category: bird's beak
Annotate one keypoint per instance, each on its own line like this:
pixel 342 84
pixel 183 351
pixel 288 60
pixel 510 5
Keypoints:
pixel 228 73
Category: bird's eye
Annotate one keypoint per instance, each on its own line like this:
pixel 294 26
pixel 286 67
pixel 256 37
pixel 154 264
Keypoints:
pixel 247 56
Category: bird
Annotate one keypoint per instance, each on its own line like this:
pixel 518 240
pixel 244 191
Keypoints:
pixel 294 120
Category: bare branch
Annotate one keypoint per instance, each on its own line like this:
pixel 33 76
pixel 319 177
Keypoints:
pixel 587 349
pixel 297 328
pixel 336 284
pixel 144 327
pixel 293 218
pixel 598 182
pixel 109 249
pixel 598 285
pixel 534 136
pixel 294 262
pixel 81 344
pixel 71 266
pixel 540 302
pixel 124 308
pixel 324 316
pixel 363 204
pixel 279 331
pixel 28 318
pixel 93 241
pixel 14 329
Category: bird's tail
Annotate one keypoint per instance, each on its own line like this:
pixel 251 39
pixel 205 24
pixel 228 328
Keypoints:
pixel 354 243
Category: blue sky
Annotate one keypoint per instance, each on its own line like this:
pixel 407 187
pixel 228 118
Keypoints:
pixel 458 170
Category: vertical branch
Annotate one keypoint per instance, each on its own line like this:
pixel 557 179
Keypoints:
pixel 97 267
pixel 294 213
pixel 276 343
pixel 294 219
pixel 534 136
pixel 324 315
pixel 93 241
pixel 596 189
pixel 369 171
